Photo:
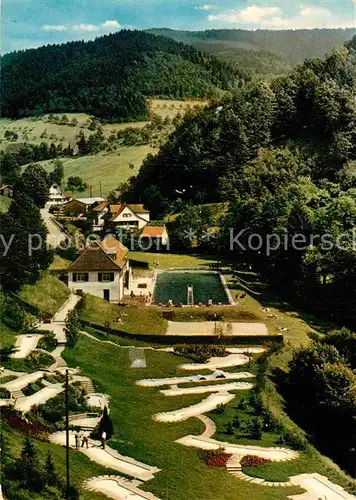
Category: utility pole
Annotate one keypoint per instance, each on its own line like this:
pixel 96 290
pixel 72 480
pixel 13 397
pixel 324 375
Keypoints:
pixel 101 190
pixel 67 434
pixel 90 191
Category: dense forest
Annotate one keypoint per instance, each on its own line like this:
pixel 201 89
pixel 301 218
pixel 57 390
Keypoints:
pixel 283 156
pixel 263 52
pixel 111 76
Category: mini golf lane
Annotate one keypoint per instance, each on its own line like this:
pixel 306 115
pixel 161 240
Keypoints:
pixel 109 458
pixel 38 398
pixel 216 362
pixel 217 375
pixel 208 404
pixel 234 386
pixel 118 488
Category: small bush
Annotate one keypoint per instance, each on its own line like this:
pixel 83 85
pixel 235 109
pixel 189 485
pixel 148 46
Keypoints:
pixel 254 461
pixel 32 388
pixel 201 353
pixel 48 341
pixel 4 393
pixel 38 359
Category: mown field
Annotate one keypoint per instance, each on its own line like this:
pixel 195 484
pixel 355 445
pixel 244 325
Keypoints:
pixel 104 171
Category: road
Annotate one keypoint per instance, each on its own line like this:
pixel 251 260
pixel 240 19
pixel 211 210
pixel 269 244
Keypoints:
pixel 55 234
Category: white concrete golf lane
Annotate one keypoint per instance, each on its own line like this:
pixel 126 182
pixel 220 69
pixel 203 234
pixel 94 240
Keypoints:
pixel 22 381
pixel 208 404
pixel 25 404
pixel 25 344
pixel 318 487
pixel 205 443
pixel 217 375
pixel 109 458
pixel 118 488
pixel 216 362
pixel 234 386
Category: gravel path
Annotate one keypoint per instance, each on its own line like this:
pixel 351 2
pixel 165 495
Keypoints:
pixel 55 236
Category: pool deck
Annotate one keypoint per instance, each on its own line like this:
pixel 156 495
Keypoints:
pixel 208 328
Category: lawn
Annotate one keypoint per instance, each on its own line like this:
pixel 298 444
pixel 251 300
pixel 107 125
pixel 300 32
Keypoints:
pixel 183 476
pixel 5 203
pixel 168 260
pixel 47 295
pixel 104 171
pixel 139 319
pixel 80 466
pixel 7 335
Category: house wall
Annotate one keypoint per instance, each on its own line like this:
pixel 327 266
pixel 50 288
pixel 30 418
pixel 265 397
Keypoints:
pixel 96 287
pixel 128 218
pixel 99 224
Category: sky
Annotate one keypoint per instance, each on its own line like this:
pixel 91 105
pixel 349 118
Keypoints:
pixel 32 23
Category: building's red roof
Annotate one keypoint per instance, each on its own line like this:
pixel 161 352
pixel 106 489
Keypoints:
pixel 153 232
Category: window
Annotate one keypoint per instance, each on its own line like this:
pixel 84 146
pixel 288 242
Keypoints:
pixel 106 277
pixel 126 215
pixel 82 277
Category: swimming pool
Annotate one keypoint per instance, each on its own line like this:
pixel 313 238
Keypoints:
pixel 206 285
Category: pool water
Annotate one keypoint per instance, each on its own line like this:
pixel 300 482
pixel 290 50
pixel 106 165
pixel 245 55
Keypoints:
pixel 173 285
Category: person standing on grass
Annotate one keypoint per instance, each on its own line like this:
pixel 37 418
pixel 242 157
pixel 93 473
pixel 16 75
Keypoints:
pixel 103 438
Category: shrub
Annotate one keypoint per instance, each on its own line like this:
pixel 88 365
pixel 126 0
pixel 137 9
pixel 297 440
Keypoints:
pixel 218 461
pixel 253 461
pixel 4 393
pixel 201 353
pixel 255 427
pixel 32 388
pixel 48 341
pixel 38 359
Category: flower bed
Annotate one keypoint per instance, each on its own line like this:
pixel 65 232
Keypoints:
pixel 201 353
pixel 218 460
pixel 254 461
pixel 214 458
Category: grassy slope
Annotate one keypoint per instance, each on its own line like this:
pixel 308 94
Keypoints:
pixel 183 476
pixel 80 466
pixel 4 204
pixel 48 294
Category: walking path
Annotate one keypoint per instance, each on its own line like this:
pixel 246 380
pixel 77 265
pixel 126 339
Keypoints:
pixel 40 397
pixel 208 404
pixel 109 458
pixel 318 487
pixel 208 328
pixel 55 234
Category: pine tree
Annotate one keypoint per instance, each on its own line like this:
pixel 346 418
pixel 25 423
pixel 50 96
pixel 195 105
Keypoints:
pixel 105 425
pixel 72 327
pixel 51 476
pixel 23 252
pixel 28 468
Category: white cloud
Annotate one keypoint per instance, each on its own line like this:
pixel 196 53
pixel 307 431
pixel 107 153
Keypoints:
pixel 54 27
pixel 111 24
pixel 85 27
pixel 208 7
pixel 273 18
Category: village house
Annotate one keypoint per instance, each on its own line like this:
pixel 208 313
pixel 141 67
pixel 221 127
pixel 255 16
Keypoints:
pixel 57 196
pixel 80 206
pixel 99 211
pixel 130 216
pixel 6 191
pixel 154 237
pixel 102 269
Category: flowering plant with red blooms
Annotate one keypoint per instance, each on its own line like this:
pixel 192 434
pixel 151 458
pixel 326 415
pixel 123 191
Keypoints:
pixel 219 460
pixel 254 461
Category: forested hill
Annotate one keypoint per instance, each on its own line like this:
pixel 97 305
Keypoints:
pixel 110 76
pixel 263 51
